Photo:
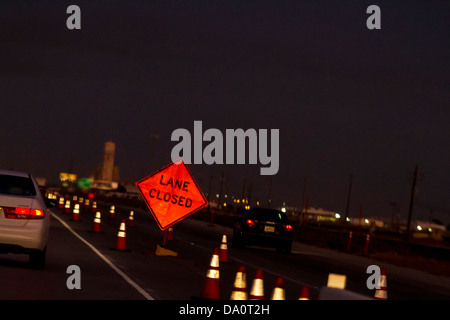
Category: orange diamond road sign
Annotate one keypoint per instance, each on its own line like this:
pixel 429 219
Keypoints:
pixel 171 194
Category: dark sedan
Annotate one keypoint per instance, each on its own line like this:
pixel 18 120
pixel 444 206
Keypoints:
pixel 263 227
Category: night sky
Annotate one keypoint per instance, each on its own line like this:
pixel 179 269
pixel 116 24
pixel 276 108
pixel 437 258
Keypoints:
pixel 346 99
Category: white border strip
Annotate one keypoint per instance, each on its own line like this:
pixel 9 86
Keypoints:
pixel 144 293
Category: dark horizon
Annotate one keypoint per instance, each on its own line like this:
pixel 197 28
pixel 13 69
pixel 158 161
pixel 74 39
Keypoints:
pixel 347 100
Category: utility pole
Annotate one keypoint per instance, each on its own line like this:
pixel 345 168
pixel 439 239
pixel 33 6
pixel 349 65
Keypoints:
pixel 305 181
pixel 348 197
pixel 304 205
pixel 209 189
pixel 221 188
pixel 243 194
pixel 411 201
pixel 249 192
pixel 270 192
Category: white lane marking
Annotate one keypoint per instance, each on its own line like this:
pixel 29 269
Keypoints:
pixel 144 293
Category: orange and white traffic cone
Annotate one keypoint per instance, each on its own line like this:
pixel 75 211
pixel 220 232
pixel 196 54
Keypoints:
pixel 61 203
pixel 304 293
pixel 67 207
pixel 211 286
pixel 223 252
pixel 257 291
pixel 121 241
pixel 240 285
pixel 112 212
pixel 366 245
pixel 130 220
pixel 76 213
pixel 381 293
pixel 278 290
pixel 97 227
pixel 94 206
pixel 86 204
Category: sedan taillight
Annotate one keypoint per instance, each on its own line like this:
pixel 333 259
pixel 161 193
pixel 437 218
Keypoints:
pixel 288 227
pixel 250 223
pixel 23 213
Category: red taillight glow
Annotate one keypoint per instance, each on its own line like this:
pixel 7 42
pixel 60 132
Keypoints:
pixel 288 227
pixel 23 213
pixel 250 223
pixel 36 214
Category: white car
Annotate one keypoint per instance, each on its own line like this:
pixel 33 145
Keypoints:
pixel 24 217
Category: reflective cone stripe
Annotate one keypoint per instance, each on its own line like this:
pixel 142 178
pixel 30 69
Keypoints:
pixel 304 294
pixel 381 294
pixel 278 291
pixel 67 207
pixel 130 221
pixel 76 212
pixel 240 285
pixel 257 291
pixel 211 286
pixel 97 227
pixel 121 237
pixel 223 253
pixel 94 206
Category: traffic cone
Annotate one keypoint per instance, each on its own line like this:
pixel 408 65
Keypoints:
pixel 257 291
pixel 278 291
pixel 67 207
pixel 211 286
pixel 223 252
pixel 75 199
pixel 240 285
pixel 169 234
pixel 366 245
pixel 121 241
pixel 94 206
pixel 130 220
pixel 304 293
pixel 349 242
pixel 76 213
pixel 97 227
pixel 86 203
pixel 112 212
pixel 61 203
pixel 381 294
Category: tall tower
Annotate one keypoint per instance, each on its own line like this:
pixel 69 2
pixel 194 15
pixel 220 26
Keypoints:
pixel 108 161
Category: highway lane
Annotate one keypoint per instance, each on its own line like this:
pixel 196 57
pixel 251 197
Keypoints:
pixel 98 280
pixel 182 277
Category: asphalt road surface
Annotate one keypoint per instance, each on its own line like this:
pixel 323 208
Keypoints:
pixel 139 273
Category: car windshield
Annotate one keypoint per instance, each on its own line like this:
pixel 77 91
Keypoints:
pixel 16 185
pixel 267 215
